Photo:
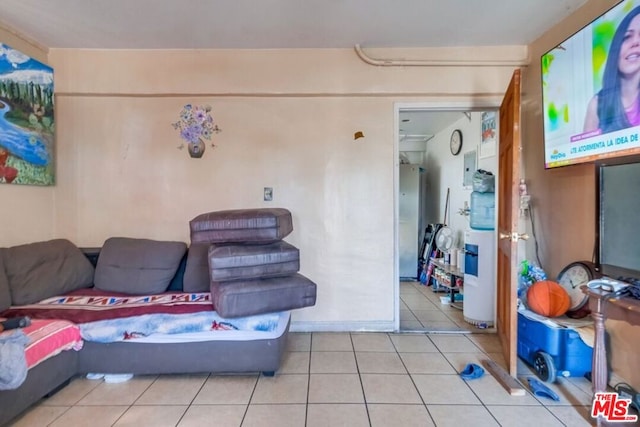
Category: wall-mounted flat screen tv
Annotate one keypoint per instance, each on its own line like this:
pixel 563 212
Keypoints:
pixel 591 90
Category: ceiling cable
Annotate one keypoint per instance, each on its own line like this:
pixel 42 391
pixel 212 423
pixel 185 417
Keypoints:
pixel 441 62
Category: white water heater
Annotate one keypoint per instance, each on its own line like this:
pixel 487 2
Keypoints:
pixel 479 277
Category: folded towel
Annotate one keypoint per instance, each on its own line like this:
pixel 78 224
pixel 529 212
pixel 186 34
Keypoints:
pixel 13 362
pixel 14 337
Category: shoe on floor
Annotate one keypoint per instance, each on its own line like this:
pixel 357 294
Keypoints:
pixel 542 390
pixel 471 372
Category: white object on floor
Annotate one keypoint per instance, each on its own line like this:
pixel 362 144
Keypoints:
pixel 117 378
pixel 460 256
pixel 479 277
pixel 94 376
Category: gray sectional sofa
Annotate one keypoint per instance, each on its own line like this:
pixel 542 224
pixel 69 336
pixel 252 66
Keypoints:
pixel 32 272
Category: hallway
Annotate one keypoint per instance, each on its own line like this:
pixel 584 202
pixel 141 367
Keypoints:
pixel 421 309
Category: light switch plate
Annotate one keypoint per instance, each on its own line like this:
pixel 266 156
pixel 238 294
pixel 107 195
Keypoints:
pixel 268 194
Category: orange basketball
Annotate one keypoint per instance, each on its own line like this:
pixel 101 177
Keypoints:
pixel 548 298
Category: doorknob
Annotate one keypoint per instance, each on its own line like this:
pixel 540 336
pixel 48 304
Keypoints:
pixel 514 237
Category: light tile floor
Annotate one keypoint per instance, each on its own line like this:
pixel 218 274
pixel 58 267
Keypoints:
pixel 421 309
pixel 327 379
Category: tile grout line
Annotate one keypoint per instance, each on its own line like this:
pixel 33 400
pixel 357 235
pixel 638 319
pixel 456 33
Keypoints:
pixel 412 380
pixel 74 404
pixel 306 408
pixel 364 395
pixel 467 384
pixel 246 410
pixel 194 398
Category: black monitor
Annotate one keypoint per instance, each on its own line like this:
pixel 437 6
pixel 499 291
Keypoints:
pixel 618 217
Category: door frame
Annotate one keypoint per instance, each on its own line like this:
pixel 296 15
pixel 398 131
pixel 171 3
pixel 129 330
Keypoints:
pixel 470 104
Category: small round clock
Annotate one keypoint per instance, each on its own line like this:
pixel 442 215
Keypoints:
pixel 571 278
pixel 455 143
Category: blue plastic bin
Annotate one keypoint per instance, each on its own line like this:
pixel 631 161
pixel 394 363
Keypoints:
pixel 552 351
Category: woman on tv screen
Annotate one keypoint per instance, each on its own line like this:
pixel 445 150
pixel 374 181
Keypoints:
pixel 617 105
pixel 591 90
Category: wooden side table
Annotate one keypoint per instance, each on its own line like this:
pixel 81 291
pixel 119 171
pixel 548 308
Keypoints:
pixel 602 308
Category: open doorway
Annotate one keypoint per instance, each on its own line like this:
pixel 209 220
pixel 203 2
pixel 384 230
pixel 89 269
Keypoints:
pixel 439 188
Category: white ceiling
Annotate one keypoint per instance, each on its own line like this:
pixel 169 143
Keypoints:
pixel 281 24
pixel 416 124
pixel 274 24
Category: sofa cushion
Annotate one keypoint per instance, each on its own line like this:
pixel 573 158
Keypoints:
pixel 137 266
pixel 249 297
pixel 196 273
pixel 262 225
pixel 234 262
pixel 44 269
pixel 5 294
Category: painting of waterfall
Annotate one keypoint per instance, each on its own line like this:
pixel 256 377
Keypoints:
pixel 26 120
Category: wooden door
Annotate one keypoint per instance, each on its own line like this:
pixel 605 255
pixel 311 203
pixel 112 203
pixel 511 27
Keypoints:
pixel 508 210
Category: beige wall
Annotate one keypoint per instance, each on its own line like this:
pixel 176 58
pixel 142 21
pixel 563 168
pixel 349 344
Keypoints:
pixel 288 120
pixel 26 212
pixel 563 200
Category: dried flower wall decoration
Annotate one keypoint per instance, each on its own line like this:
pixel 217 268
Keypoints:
pixel 196 125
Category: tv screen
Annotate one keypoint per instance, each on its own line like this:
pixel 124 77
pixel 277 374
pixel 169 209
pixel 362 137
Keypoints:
pixel 618 232
pixel 591 90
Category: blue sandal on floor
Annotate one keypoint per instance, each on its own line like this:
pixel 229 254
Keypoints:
pixel 471 372
pixel 542 390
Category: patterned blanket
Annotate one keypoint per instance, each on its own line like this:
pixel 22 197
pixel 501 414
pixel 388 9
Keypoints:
pixel 129 328
pixel 88 305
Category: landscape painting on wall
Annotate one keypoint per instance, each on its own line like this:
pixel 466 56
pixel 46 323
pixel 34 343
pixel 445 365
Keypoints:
pixel 26 120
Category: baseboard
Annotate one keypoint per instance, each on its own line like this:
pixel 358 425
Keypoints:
pixel 382 326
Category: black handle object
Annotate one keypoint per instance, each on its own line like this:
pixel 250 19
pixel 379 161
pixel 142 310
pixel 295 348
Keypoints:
pixel 14 323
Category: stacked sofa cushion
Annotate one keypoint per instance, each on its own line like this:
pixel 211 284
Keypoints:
pixel 242 262
pixel 238 226
pixel 241 226
pixel 247 266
